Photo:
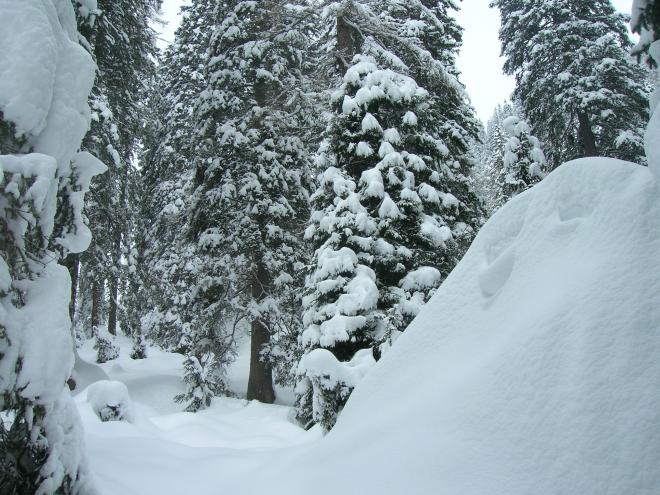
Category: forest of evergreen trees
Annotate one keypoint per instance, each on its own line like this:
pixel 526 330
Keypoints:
pixel 307 172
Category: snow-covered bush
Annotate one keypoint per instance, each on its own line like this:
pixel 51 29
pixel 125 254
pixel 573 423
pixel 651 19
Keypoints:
pixel 106 350
pixel 139 350
pixel 110 401
pixel 328 383
pixel 201 375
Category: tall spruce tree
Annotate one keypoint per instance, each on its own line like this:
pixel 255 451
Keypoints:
pixel 490 156
pixel 252 179
pixel 523 161
pixel 123 45
pixel 167 264
pixel 394 209
pixel 44 181
pixel 645 21
pixel 581 91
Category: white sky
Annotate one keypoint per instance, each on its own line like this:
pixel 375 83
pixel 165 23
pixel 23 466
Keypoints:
pixel 479 62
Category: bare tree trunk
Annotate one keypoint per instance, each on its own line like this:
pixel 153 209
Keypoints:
pixel 260 382
pixel 72 263
pixel 112 310
pixel 114 290
pixel 348 43
pixel 586 135
pixel 97 303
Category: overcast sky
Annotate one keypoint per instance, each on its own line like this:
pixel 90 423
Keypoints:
pixel 479 62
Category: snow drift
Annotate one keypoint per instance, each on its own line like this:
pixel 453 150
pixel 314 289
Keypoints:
pixel 534 368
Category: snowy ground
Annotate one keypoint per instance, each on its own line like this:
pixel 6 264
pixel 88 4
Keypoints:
pixel 166 451
pixel 533 370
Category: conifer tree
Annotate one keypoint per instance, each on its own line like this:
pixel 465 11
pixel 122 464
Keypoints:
pixel 581 91
pixel 251 178
pixel 168 266
pixel 523 162
pixel 123 45
pixel 645 22
pixel 44 181
pixel 490 155
pixel 393 207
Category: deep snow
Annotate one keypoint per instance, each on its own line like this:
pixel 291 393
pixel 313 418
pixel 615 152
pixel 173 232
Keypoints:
pixel 534 369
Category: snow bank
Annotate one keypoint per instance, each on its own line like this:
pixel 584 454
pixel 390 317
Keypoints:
pixel 534 368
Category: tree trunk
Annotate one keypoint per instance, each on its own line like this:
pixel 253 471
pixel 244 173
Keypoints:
pixel 586 136
pixel 114 289
pixel 97 302
pixel 72 263
pixel 112 310
pixel 348 42
pixel 260 383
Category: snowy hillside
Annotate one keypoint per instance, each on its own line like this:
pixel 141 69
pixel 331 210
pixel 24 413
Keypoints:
pixel 530 371
pixel 534 367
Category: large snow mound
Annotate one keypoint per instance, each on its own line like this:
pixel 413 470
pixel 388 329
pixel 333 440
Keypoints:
pixel 534 369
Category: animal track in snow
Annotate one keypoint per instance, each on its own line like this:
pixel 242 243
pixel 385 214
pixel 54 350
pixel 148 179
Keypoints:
pixel 572 212
pixel 495 276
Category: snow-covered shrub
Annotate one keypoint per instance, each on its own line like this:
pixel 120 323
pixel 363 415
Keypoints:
pixel 202 381
pixel 110 401
pixel 106 350
pixel 328 383
pixel 139 350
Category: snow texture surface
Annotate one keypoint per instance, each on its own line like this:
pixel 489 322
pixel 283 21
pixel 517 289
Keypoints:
pixel 532 368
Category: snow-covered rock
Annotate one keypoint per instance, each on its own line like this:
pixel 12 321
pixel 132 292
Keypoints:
pixel 534 368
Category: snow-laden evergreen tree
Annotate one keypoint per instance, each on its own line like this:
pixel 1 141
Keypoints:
pixel 582 92
pixel 43 181
pixel 123 45
pixel 139 349
pixel 430 23
pixel 252 180
pixel 523 163
pixel 394 207
pixel 168 266
pixel 106 350
pixel 490 157
pixel 645 21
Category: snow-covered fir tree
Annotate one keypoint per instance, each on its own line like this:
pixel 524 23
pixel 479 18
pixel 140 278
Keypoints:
pixel 645 21
pixel 43 184
pixel 490 157
pixel 123 45
pixel 139 349
pixel 252 179
pixel 523 162
pixel 169 266
pixel 581 91
pixel 106 350
pixel 393 209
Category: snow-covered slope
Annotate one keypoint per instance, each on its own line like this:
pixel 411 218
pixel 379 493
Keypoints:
pixel 535 368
